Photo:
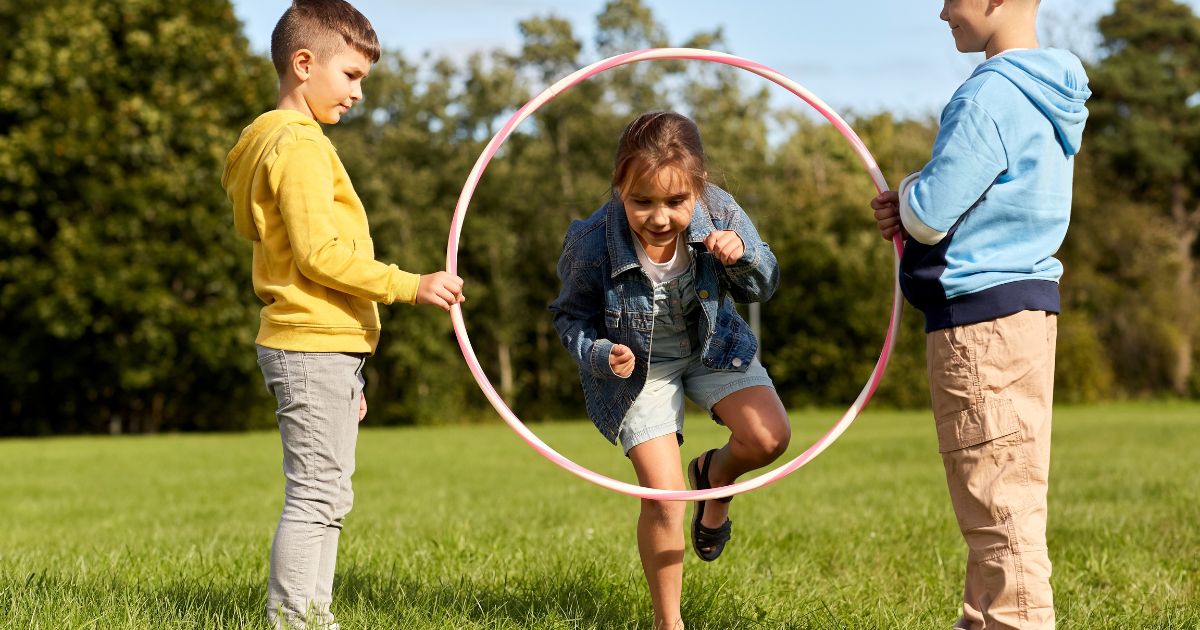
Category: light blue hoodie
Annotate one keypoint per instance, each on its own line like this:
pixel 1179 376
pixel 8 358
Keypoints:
pixel 990 209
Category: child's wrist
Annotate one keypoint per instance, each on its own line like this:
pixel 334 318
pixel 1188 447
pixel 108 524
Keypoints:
pixel 601 351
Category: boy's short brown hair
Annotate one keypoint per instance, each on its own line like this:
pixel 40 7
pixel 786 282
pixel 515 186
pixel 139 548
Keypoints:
pixel 322 26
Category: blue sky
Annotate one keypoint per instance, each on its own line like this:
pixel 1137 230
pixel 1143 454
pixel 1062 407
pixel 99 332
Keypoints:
pixel 862 56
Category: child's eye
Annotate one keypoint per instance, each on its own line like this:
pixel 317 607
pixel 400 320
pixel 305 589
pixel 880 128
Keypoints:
pixel 676 201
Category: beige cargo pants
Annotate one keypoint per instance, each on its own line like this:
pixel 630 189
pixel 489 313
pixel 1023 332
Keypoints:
pixel 992 385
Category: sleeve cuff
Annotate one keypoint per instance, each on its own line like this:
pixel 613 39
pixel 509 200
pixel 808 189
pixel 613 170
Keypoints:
pixel 913 225
pixel 749 254
pixel 749 259
pixel 404 286
pixel 599 359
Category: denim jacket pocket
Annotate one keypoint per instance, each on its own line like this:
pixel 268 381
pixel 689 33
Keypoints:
pixel 732 345
pixel 641 321
pixel 612 321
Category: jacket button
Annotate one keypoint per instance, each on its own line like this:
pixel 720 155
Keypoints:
pixel 737 362
pixel 703 294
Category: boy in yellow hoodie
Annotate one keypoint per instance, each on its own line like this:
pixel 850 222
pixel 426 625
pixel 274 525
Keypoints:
pixel 314 268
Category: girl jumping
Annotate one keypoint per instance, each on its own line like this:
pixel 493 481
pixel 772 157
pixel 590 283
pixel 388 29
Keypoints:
pixel 646 309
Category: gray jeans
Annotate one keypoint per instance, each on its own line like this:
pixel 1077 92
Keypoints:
pixel 318 395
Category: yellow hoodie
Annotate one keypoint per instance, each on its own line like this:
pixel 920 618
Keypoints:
pixel 314 263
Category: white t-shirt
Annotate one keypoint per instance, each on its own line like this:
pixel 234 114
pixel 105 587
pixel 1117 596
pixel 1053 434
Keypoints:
pixel 660 273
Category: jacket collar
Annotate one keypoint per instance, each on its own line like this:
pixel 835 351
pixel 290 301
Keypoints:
pixel 620 237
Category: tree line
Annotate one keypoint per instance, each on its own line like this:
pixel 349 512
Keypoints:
pixel 125 296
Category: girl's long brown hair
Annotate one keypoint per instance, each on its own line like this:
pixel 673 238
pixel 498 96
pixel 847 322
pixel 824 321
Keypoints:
pixel 657 140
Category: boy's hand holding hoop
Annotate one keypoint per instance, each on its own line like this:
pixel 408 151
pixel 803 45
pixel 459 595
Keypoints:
pixel 440 289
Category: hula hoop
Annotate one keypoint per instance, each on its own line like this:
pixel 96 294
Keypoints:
pixel 464 340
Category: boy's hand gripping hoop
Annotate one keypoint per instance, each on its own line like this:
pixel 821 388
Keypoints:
pixel 464 341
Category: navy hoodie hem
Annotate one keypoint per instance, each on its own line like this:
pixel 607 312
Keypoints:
pixel 994 303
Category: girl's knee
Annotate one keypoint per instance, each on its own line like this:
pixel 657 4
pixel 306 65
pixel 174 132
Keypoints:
pixel 781 439
pixel 772 444
pixel 769 440
pixel 666 513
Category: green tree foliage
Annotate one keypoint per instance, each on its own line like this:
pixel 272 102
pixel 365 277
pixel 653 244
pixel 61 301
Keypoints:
pixel 824 330
pixel 1145 134
pixel 123 293
pixel 125 297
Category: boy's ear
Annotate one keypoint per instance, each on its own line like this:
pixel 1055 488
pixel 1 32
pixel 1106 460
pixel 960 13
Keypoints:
pixel 302 62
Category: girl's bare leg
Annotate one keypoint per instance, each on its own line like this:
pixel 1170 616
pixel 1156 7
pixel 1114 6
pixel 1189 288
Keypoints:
pixel 759 432
pixel 660 528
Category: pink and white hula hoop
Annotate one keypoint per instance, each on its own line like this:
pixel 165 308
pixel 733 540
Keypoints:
pixel 464 341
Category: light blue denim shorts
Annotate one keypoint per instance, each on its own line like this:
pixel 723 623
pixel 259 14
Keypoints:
pixel 658 410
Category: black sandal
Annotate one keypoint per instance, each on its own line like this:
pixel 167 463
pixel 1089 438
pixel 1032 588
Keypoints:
pixel 706 537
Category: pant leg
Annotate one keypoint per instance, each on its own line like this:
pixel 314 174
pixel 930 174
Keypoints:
pixel 345 447
pixel 318 420
pixel 992 390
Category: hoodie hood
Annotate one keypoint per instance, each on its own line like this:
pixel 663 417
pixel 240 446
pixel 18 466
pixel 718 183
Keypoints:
pixel 242 165
pixel 1055 82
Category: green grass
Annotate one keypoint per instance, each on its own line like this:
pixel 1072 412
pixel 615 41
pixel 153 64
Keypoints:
pixel 465 527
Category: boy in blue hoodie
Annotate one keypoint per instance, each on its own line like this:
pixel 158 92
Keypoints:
pixel 982 222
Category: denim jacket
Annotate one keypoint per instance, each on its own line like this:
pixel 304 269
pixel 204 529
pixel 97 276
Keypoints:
pixel 606 299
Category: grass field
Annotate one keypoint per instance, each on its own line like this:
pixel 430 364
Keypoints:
pixel 465 527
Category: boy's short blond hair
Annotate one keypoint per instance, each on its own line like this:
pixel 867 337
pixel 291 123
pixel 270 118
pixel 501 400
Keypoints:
pixel 322 26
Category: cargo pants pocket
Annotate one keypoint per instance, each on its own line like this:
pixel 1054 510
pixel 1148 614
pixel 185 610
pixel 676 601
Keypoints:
pixel 987 471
